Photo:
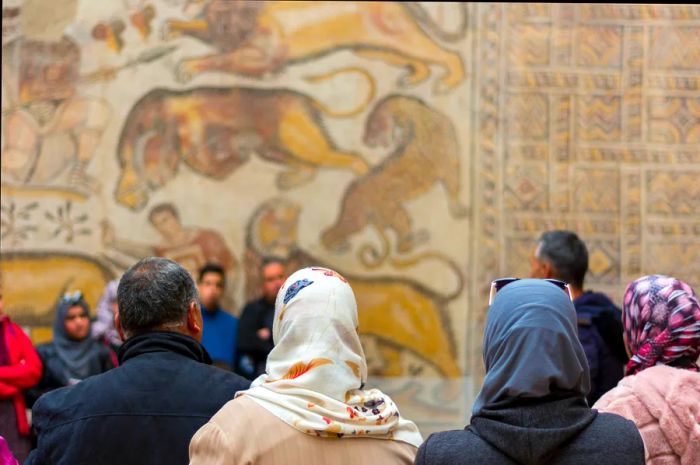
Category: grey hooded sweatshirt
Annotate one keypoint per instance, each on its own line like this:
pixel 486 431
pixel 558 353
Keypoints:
pixel 532 407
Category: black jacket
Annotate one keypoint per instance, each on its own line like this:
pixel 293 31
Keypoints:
pixel 143 412
pixel 53 375
pixel 253 351
pixel 554 432
pixel 600 332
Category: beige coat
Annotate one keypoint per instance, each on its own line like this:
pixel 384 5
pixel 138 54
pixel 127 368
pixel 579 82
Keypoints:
pixel 244 433
pixel 664 403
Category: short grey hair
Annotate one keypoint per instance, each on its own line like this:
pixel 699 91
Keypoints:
pixel 155 293
pixel 567 253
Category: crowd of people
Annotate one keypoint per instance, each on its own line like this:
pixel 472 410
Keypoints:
pixel 165 375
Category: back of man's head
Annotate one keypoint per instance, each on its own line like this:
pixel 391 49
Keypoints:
pixel 567 254
pixel 155 294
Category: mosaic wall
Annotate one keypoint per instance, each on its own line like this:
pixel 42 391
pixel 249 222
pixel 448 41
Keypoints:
pixel 417 148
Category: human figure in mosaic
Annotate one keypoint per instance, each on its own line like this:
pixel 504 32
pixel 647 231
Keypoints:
pixel 191 247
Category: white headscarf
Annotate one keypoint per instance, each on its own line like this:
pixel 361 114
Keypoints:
pixel 316 372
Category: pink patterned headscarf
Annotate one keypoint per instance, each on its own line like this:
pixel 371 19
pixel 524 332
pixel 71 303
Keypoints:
pixel 661 316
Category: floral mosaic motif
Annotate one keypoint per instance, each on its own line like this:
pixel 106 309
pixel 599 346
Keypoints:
pixel 67 224
pixel 12 227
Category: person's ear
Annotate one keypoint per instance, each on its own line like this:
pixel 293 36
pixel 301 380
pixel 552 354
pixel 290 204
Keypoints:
pixel 547 270
pixel 194 321
pixel 118 326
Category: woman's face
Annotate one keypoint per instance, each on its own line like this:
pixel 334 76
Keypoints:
pixel 77 323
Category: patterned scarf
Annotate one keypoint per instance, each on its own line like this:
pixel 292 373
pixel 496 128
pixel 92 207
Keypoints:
pixel 316 373
pixel 661 316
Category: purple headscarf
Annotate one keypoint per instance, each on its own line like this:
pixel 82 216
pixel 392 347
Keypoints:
pixel 661 316
pixel 104 325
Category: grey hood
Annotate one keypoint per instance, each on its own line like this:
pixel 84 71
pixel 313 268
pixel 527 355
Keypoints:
pixel 531 432
pixel 533 397
pixel 531 348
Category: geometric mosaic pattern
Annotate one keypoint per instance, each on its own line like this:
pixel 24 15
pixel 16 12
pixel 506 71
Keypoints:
pixel 599 132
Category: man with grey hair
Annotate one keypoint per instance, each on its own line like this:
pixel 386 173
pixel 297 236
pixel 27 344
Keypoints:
pixel 146 410
pixel 563 255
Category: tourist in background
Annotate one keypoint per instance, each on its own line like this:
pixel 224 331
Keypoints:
pixel 661 391
pixel 563 255
pixel 255 327
pixel 20 369
pixel 103 329
pixel 220 327
pixel 73 355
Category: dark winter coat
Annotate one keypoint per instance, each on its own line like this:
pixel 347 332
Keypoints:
pixel 531 409
pixel 142 413
pixel 600 333
pixel 551 432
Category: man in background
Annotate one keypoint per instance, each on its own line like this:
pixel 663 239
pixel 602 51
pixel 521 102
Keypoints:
pixel 563 255
pixel 255 327
pixel 220 328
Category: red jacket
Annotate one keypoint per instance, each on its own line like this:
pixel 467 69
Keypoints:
pixel 23 372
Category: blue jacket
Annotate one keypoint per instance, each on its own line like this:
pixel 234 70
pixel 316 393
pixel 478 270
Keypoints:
pixel 142 413
pixel 600 333
pixel 219 336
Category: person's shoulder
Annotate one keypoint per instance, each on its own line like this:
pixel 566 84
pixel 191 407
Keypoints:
pixel 227 317
pixel 615 433
pixel 663 384
pixel 223 379
pixel 14 329
pixel 46 349
pixel 240 414
pixel 606 420
pixel 448 447
pixel 239 407
pixel 71 402
pixel 613 428
pixel 227 433
pixel 252 306
pixel 594 302
pixel 659 378
pixel 663 373
pixel 102 349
